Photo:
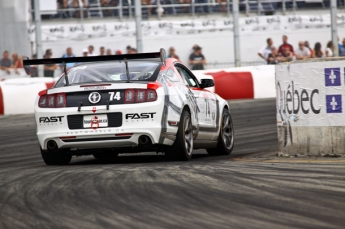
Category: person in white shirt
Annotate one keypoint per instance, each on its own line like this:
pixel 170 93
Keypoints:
pixel 302 52
pixel 266 50
pixel 329 49
pixel 91 52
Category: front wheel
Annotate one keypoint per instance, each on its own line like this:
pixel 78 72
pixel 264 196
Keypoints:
pixel 226 136
pixel 182 148
pixel 56 157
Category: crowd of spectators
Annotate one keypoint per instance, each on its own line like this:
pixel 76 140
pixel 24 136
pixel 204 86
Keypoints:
pixel 196 59
pixel 110 8
pixel 286 51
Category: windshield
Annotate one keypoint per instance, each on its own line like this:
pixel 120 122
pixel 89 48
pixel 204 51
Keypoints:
pixel 111 72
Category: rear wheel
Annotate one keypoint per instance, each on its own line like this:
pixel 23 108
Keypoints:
pixel 56 157
pixel 226 136
pixel 182 148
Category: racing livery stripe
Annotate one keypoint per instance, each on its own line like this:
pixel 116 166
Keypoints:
pixel 1 103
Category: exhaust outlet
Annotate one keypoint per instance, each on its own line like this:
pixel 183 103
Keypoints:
pixel 51 145
pixel 144 140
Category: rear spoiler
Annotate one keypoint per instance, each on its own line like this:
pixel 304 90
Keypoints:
pixel 161 54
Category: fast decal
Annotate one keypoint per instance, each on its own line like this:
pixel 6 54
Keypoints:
pixel 136 117
pixel 52 119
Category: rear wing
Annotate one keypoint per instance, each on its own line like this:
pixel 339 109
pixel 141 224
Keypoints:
pixel 153 55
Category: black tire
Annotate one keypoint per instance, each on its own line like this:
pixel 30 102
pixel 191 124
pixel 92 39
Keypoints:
pixel 57 157
pixel 225 143
pixel 182 149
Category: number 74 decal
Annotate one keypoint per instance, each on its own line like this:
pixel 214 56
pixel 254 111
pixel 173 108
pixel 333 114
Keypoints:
pixel 114 96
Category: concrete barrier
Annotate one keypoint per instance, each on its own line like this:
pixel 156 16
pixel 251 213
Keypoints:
pixel 17 96
pixel 252 82
pixel 310 107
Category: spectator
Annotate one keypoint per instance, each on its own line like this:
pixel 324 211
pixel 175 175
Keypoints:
pixel 33 68
pixel 14 58
pixel 273 57
pixel 118 52
pixel 68 54
pixel 285 45
pixel 101 51
pixel 128 48
pixel 5 62
pixel 342 48
pixel 75 4
pixel 286 56
pixel 85 52
pixel 266 50
pixel 91 53
pixel 132 51
pixel 49 68
pixel 47 53
pixel 108 12
pixel 329 49
pixel 63 5
pixel 306 44
pixel 197 59
pixel 18 64
pixel 108 52
pixel 172 53
pixel 317 50
pixel 302 52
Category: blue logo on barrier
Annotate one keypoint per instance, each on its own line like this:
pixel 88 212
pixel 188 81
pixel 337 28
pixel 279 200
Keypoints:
pixel 332 77
pixel 333 104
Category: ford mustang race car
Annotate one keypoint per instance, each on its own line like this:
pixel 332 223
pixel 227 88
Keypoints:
pixel 129 103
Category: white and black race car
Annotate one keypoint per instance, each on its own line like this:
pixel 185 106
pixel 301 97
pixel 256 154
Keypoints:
pixel 129 103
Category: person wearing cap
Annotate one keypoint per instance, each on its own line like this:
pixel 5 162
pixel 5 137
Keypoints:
pixel 85 52
pixel 197 59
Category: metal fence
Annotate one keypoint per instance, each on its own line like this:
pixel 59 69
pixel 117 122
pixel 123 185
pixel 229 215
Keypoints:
pixel 159 8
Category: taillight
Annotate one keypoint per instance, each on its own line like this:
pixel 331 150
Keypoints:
pixel 52 101
pixel 129 96
pixel 60 100
pixel 140 95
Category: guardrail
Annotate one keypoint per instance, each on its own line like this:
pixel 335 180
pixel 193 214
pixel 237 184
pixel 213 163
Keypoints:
pixel 125 9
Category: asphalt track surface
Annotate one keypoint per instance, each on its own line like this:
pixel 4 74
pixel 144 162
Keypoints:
pixel 147 191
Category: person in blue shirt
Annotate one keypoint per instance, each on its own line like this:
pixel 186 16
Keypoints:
pixel 68 54
pixel 341 48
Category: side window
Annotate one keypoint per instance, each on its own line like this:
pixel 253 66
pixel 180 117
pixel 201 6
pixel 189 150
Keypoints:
pixel 188 79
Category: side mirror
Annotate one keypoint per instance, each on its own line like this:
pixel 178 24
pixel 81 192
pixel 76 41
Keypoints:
pixel 26 67
pixel 207 83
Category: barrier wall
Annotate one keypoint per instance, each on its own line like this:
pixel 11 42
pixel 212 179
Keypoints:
pixel 310 107
pixel 252 82
pixel 18 94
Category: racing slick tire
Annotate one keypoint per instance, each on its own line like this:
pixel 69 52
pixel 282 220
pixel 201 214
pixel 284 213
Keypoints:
pixel 226 136
pixel 56 157
pixel 182 148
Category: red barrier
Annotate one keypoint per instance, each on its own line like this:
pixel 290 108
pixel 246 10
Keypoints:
pixel 1 103
pixel 50 85
pixel 233 85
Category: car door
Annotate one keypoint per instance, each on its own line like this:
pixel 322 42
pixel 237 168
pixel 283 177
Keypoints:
pixel 206 101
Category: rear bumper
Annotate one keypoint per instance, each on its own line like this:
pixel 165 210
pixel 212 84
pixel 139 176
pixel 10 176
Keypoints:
pixel 126 135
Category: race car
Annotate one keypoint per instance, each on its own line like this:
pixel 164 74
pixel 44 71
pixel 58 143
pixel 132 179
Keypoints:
pixel 108 105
